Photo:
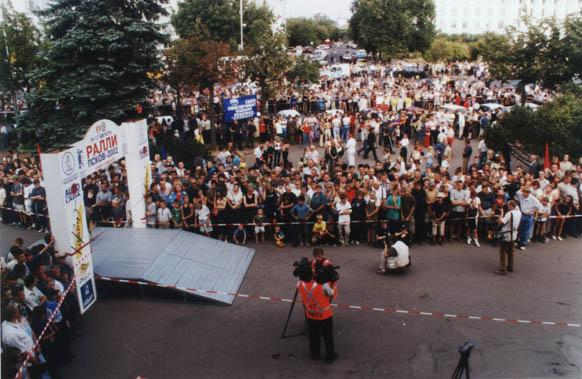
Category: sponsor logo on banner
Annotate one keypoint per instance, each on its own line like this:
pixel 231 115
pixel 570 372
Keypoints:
pixel 78 232
pixel 143 152
pixel 146 180
pixel 68 163
pixel 87 293
pixel 72 192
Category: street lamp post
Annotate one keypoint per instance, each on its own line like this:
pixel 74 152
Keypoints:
pixel 241 46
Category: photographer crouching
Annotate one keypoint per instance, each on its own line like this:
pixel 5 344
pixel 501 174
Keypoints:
pixel 316 294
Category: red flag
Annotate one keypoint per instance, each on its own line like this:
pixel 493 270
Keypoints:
pixel 547 157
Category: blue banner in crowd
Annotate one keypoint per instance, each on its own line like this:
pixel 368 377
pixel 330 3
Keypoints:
pixel 240 108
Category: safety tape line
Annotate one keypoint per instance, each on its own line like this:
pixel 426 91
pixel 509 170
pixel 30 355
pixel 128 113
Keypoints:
pixel 363 308
pixel 212 224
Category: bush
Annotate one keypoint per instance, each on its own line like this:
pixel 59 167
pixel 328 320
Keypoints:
pixel 558 123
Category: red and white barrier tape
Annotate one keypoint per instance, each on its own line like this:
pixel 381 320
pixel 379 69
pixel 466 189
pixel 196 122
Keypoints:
pixel 363 308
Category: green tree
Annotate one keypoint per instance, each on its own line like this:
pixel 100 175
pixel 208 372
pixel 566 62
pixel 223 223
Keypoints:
pixel 267 64
pixel 537 55
pixel 304 71
pixel 572 44
pixel 20 51
pixel 222 20
pixel 198 61
pixel 393 27
pixel 559 123
pixel 304 31
pixel 490 46
pixel 445 49
pixel 99 64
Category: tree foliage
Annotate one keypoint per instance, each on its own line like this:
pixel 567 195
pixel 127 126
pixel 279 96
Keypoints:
pixel 545 53
pixel 445 49
pixel 268 63
pixel 221 19
pixel 558 123
pixel 393 27
pixel 315 30
pixel 304 71
pixel 98 65
pixel 22 40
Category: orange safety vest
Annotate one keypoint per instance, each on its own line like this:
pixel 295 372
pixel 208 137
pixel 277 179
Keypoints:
pixel 316 303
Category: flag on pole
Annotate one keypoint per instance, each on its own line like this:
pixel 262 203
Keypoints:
pixel 547 157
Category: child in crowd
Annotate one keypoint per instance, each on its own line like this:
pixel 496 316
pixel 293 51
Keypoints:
pixel 542 218
pixel 203 218
pixel 259 222
pixel 279 237
pixel 240 235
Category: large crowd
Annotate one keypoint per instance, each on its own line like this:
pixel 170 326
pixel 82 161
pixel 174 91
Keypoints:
pixel 306 178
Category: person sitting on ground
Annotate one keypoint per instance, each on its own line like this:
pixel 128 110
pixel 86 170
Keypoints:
pixel 240 235
pixel 279 237
pixel 320 233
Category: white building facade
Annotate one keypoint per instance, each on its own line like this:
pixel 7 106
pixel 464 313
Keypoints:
pixel 477 16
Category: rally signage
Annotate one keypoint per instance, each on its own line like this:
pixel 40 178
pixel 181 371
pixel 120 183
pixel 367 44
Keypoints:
pixel 104 143
pixel 240 108
pixel 101 146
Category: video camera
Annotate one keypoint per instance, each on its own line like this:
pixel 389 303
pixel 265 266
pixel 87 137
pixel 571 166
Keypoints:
pixel 302 269
pixel 326 273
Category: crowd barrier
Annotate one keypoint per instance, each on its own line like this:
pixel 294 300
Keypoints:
pixel 310 222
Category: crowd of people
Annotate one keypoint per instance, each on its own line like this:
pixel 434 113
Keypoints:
pixel 306 178
pixel 37 299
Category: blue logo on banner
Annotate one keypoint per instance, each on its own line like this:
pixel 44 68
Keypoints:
pixel 240 108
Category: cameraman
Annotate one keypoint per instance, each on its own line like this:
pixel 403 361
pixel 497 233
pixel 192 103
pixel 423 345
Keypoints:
pixel 319 259
pixel 316 298
pixel 395 255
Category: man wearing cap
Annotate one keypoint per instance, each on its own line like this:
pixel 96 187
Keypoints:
pixel 529 207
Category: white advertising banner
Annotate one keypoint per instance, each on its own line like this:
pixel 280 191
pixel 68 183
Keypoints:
pixel 68 220
pixel 138 169
pixel 104 143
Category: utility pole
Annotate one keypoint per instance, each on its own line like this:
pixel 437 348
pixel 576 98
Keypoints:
pixel 10 72
pixel 241 46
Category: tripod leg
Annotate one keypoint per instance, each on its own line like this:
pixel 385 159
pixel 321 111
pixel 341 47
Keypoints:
pixel 290 312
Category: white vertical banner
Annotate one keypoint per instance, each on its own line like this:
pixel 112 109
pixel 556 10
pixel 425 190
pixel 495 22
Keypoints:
pixel 62 181
pixel 138 168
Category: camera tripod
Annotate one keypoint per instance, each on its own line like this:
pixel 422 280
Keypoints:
pixel 289 319
pixel 463 365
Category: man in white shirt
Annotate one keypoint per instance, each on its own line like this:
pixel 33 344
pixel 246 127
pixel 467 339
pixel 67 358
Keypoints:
pixel 14 333
pixel 351 150
pixel 345 127
pixel 394 257
pixel 461 122
pixel 529 207
pixel 510 223
pixel 344 210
